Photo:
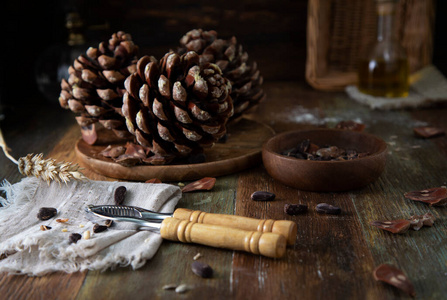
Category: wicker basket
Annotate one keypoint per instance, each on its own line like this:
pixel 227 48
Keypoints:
pixel 339 30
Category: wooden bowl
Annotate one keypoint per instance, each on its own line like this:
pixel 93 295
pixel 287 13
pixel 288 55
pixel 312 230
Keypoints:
pixel 325 176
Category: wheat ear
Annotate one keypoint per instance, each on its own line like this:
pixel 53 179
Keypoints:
pixel 47 169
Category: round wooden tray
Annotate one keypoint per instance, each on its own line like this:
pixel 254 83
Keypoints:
pixel 242 150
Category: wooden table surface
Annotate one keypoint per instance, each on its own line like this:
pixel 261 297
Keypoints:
pixel 333 257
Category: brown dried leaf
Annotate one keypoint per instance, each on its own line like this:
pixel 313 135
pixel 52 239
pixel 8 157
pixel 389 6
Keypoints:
pixel 395 277
pixel 428 131
pixel 153 180
pixel 394 226
pixel 350 125
pixel 434 196
pixel 206 183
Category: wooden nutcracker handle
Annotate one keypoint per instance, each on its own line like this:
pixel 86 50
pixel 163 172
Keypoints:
pixel 286 228
pixel 267 244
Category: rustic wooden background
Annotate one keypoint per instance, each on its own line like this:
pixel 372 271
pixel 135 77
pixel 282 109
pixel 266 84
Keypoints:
pixel 272 31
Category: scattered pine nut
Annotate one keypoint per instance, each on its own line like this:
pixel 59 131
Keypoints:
pixel 181 288
pixel 170 286
pixel 197 256
pixel 61 220
pixel 86 235
pixel 81 226
pixel 64 230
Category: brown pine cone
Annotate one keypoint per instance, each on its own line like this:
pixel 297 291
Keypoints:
pixel 95 87
pixel 245 78
pixel 176 107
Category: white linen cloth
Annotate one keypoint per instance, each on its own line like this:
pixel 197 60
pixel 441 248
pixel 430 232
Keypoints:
pixel 26 249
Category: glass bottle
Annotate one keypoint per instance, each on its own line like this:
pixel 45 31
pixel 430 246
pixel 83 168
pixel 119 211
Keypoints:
pixel 384 72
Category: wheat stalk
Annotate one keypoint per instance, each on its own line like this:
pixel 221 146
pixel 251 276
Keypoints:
pixel 47 169
pixel 6 149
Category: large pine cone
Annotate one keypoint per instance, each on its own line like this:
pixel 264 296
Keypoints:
pixel 176 107
pixel 95 87
pixel 245 78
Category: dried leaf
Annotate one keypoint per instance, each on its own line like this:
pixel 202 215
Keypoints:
pixel 350 125
pixel 395 277
pixel 394 226
pixel 153 180
pixel 434 196
pixel 206 183
pixel 428 131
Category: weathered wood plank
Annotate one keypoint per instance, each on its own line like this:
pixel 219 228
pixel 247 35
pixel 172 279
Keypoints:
pixel 413 164
pixel 53 286
pixel 330 253
pixel 172 263
pixel 334 255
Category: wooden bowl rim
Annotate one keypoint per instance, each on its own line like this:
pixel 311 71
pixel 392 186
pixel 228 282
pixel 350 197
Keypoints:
pixel 382 146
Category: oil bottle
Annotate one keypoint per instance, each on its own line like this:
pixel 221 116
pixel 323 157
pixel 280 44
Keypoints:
pixel 384 71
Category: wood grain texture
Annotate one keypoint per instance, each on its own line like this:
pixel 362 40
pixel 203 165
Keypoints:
pixel 413 164
pixel 329 254
pixel 172 263
pixel 241 151
pixel 333 257
pixel 53 286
